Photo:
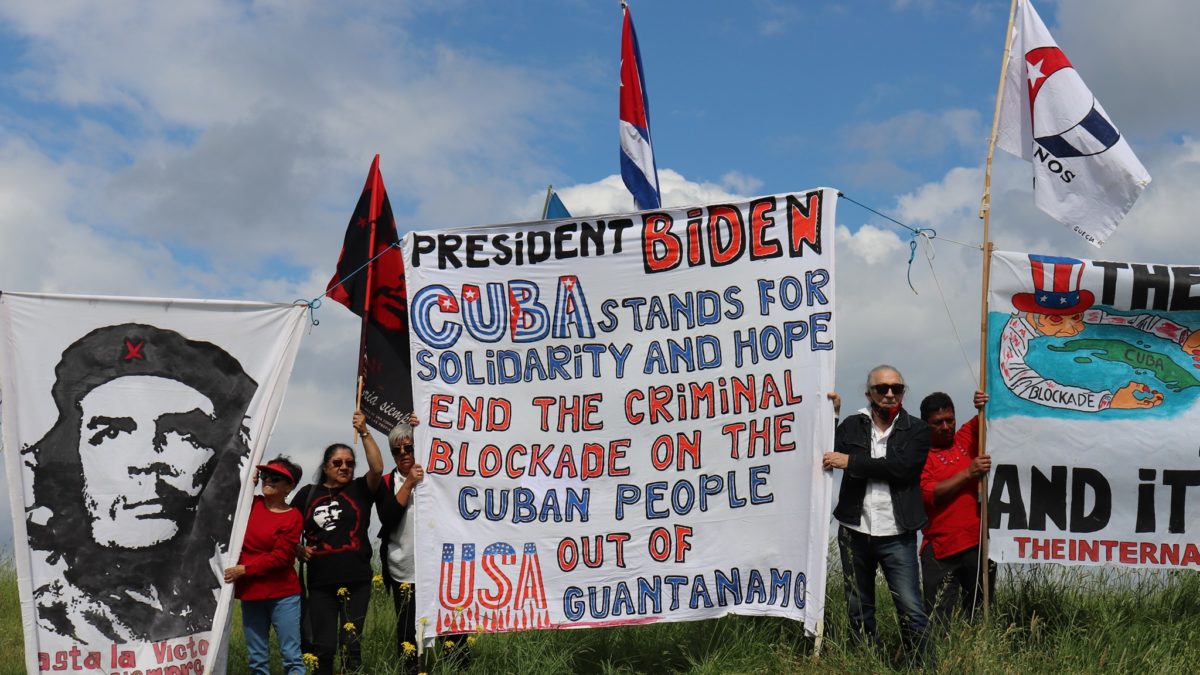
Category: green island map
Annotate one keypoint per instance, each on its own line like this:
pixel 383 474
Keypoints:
pixel 1172 375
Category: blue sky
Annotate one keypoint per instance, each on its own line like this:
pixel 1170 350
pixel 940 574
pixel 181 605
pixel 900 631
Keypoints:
pixel 216 149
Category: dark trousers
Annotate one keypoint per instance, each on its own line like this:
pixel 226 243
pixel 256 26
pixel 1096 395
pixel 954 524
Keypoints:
pixel 405 602
pixel 861 555
pixel 953 582
pixel 406 617
pixel 329 613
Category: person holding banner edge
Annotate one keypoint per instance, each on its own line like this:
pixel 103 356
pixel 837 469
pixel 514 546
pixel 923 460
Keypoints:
pixel 337 549
pixel 950 550
pixel 265 577
pixel 882 450
pixel 396 539
pixel 397 546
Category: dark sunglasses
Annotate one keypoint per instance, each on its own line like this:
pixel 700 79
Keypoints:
pixel 274 478
pixel 339 463
pixel 882 389
pixel 402 448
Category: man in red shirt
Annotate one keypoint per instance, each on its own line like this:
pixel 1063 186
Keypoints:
pixel 950 565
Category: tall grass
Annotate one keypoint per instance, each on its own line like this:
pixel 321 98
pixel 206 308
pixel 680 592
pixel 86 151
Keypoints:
pixel 1043 620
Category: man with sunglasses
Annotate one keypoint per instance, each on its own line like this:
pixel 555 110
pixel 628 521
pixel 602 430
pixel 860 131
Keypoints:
pixel 882 450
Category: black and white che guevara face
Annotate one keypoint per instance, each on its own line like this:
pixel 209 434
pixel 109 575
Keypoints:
pixel 145 457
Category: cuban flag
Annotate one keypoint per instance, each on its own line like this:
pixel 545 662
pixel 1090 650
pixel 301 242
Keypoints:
pixel 1085 174
pixel 637 154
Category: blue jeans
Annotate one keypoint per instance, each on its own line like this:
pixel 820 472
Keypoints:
pixel 897 555
pixel 257 618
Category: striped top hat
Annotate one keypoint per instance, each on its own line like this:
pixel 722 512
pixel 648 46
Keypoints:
pixel 1056 287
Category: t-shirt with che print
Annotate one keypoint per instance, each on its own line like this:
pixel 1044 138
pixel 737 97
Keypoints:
pixel 336 525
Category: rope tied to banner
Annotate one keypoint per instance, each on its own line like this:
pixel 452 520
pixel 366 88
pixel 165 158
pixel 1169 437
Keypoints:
pixel 927 234
pixel 312 306
pixel 315 303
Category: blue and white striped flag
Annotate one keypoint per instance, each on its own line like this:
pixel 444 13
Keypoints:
pixel 637 154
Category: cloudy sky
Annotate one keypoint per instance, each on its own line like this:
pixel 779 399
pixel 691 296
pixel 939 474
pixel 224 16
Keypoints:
pixel 215 149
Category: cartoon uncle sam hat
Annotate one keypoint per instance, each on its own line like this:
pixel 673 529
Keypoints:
pixel 1056 287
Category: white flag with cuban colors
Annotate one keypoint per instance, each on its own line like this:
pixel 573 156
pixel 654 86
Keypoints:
pixel 1085 174
pixel 637 154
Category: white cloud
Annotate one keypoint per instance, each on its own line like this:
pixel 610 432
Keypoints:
pixel 891 153
pixel 869 244
pixel 609 194
pixel 777 17
pixel 919 132
pixel 1139 58
pixel 956 196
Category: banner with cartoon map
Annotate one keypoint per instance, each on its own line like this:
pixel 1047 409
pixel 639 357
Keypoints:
pixel 131 426
pixel 623 417
pixel 1093 418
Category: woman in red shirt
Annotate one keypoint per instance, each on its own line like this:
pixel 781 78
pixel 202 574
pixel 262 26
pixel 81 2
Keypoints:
pixel 265 575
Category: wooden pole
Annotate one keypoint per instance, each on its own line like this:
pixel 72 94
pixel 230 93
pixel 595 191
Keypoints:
pixel 373 208
pixel 985 211
pixel 358 402
pixel 546 204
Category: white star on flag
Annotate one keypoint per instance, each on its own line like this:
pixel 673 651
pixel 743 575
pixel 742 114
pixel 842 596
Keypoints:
pixel 1035 72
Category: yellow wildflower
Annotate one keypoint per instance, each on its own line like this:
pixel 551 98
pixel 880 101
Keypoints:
pixel 377 580
pixel 343 592
pixel 471 640
pixel 348 627
pixel 311 661
pixel 409 648
pixel 449 645
pixel 424 621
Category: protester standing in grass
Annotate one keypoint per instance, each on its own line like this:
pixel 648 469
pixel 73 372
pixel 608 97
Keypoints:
pixel 337 550
pixel 265 577
pixel 882 451
pixel 950 564
pixel 397 546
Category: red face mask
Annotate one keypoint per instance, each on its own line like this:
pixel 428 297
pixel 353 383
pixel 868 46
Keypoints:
pixel 886 413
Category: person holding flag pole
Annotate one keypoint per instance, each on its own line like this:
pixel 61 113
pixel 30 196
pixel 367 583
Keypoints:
pixel 1085 174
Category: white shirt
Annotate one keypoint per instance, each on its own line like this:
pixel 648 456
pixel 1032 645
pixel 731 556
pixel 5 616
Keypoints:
pixel 401 562
pixel 878 517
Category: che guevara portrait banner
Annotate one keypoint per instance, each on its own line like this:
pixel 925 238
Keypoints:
pixel 623 416
pixel 1094 411
pixel 131 426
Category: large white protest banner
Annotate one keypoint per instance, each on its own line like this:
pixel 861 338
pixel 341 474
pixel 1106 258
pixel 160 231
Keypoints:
pixel 131 426
pixel 623 417
pixel 1093 417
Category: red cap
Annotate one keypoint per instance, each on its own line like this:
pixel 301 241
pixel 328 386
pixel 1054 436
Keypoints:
pixel 276 467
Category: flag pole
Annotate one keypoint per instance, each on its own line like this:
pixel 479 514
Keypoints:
pixel 546 204
pixel 624 7
pixel 985 212
pixel 372 217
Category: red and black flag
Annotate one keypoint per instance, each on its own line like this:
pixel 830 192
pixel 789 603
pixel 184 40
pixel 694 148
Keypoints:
pixel 370 281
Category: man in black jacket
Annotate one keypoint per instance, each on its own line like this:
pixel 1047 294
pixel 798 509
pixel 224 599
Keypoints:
pixel 882 450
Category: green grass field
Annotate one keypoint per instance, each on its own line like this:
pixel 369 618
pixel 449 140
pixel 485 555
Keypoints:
pixel 1044 620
